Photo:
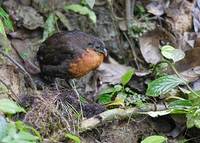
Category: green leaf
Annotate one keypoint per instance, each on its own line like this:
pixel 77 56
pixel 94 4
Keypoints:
pixel 14 135
pixel 26 136
pixel 155 139
pixel 3 127
pixel 194 98
pixel 10 107
pixel 82 10
pixel 117 88
pixel 163 85
pixel 170 52
pixel 106 91
pixel 6 20
pixel 64 20
pixel 90 3
pixel 117 102
pixel 180 104
pixel 11 130
pixel 105 98
pixel 127 77
pixel 193 119
pixel 73 137
pixel 193 116
pixel 49 26
pixel 2 30
pixel 23 127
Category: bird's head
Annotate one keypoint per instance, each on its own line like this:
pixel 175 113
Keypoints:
pixel 99 46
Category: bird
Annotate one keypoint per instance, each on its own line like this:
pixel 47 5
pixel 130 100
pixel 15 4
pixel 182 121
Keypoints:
pixel 70 54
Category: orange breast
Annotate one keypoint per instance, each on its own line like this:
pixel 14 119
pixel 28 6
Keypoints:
pixel 88 61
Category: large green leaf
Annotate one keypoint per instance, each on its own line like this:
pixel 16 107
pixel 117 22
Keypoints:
pixel 155 139
pixel 83 10
pixel 10 107
pixel 163 85
pixel 16 136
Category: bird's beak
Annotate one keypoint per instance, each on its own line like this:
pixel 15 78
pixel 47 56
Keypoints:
pixel 105 52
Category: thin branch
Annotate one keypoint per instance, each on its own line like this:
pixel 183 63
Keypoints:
pixel 136 58
pixel 117 113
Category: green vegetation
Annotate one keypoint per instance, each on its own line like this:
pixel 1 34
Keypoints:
pixel 121 94
pixel 15 132
pixel 155 139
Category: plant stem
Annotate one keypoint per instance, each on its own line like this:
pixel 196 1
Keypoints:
pixel 176 72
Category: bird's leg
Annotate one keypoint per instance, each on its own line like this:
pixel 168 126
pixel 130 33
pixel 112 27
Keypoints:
pixel 72 84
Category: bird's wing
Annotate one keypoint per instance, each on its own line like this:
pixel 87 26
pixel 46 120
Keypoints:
pixel 59 47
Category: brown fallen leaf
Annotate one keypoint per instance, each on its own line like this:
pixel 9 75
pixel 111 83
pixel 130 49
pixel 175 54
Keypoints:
pixel 189 67
pixel 150 44
pixel 24 15
pixel 179 15
pixel 26 51
pixel 190 60
pixel 157 8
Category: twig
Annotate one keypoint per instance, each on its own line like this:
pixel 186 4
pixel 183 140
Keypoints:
pixel 136 59
pixel 117 113
pixel 79 97
pixel 114 16
pixel 129 13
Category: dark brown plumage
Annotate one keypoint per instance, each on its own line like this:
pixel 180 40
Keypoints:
pixel 70 54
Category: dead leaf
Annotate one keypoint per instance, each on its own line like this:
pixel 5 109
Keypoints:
pixel 157 8
pixel 150 44
pixel 25 15
pixel 190 60
pixel 111 73
pixel 26 51
pixel 179 15
pixel 189 67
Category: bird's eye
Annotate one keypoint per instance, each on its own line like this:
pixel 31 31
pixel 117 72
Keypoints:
pixel 90 44
pixel 98 47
